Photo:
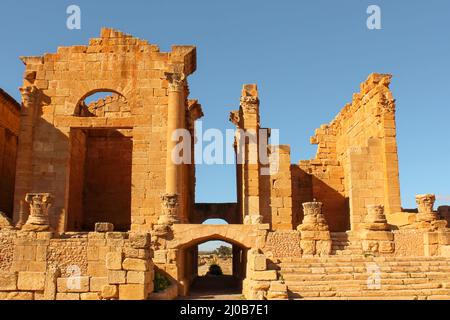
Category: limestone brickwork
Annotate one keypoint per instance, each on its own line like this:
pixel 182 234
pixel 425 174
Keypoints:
pixel 95 205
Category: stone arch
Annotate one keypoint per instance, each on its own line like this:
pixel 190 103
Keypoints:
pixel 246 236
pixel 187 238
pixel 110 104
pixel 88 88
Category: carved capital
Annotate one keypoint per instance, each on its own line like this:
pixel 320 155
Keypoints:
pixel 313 219
pixel 176 81
pixel 250 104
pixel 28 96
pixel 425 202
pixel 39 203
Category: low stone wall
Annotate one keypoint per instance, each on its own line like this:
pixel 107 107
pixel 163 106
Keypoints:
pixel 76 266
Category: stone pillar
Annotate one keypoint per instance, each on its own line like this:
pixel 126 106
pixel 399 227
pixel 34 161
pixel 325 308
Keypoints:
pixel 175 115
pixel 376 236
pixel 314 231
pixel 38 220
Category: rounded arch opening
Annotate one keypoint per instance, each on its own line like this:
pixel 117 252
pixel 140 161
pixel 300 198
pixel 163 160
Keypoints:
pixel 102 103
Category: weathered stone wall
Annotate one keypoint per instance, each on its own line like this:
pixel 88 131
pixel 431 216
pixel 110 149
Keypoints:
pixel 356 163
pixel 54 89
pixel 76 266
pixel 6 249
pixel 9 131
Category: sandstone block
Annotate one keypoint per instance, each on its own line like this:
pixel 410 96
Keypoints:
pixel 67 296
pixel 109 292
pixel 97 283
pixel 133 292
pixel 258 263
pixel 116 277
pixel 31 281
pixel 73 285
pixel 114 261
pixel 139 277
pixel 16 296
pixel 140 240
pixel 269 275
pixel 135 265
pixel 90 296
pixel 8 281
pixel 377 235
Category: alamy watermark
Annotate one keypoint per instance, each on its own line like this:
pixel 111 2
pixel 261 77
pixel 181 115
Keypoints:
pixel 73 21
pixel 214 147
pixel 374 19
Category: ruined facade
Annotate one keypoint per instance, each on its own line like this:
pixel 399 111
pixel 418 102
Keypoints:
pixel 98 205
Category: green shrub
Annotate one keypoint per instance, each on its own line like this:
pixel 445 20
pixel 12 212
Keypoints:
pixel 215 270
pixel 161 282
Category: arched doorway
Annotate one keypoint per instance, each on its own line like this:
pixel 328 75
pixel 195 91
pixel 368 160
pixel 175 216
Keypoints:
pixel 214 269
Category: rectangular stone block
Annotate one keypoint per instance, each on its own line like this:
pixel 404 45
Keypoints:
pixel 96 284
pixel 377 235
pixel 103 227
pixel 140 240
pixel 23 296
pixel 139 277
pixel 8 281
pixel 135 265
pixel 73 285
pixel 31 281
pixel 269 275
pixel 67 296
pixel 133 292
pixel 114 260
pixel 258 262
pixel 90 296
pixel 110 292
pixel 117 277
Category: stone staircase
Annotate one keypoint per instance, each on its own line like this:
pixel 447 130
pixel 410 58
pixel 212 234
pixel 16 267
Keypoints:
pixel 371 278
pixel 344 243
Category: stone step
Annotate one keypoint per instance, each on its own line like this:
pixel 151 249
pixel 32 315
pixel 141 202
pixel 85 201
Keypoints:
pixel 380 294
pixel 359 276
pixel 363 268
pixel 295 287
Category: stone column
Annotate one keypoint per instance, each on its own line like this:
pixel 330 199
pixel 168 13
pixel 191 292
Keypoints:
pixel 314 231
pixel 173 170
pixel 251 166
pixel 38 220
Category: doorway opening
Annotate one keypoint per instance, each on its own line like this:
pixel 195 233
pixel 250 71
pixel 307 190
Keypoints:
pixel 100 178
pixel 214 268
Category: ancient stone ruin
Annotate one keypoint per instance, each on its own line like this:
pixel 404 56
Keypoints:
pixel 93 205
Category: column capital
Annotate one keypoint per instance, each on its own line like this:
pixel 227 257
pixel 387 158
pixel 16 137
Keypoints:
pixel 176 81
pixel 39 203
pixel 250 104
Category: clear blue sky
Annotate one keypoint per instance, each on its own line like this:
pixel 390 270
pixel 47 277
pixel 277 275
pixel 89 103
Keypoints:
pixel 308 57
